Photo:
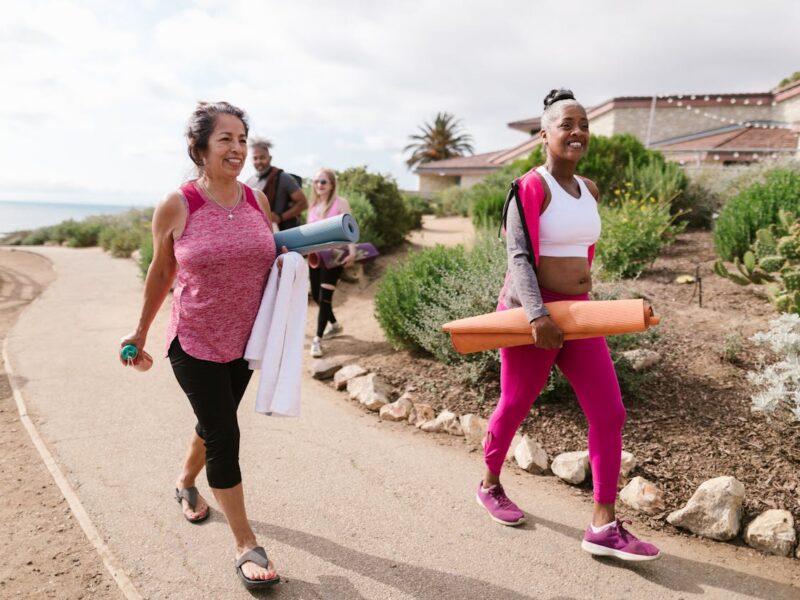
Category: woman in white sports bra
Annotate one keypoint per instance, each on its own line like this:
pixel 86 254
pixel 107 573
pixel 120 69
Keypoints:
pixel 550 238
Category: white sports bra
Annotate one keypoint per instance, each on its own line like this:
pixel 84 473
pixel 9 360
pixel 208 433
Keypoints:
pixel 569 225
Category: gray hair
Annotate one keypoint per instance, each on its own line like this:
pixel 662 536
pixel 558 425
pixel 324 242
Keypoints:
pixel 260 143
pixel 552 112
pixel 564 98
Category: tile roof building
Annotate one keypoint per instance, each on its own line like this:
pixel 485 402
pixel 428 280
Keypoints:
pixel 691 129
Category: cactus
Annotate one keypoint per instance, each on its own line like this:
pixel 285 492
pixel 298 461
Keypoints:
pixel 774 258
pixel 772 264
pixel 791 278
pixel 789 246
pixel 765 244
pixel 749 272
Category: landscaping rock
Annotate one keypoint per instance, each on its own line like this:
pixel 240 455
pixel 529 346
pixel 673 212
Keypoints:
pixel 345 374
pixel 714 511
pixel 370 390
pixel 513 447
pixel 772 532
pixel 445 422
pixel 642 358
pixel 531 457
pixel 572 467
pixel 324 368
pixel 643 495
pixel 474 428
pixel 628 464
pixel 397 410
pixel 421 413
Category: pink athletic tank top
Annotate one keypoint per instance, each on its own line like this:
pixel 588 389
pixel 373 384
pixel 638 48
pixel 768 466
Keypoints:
pixel 313 214
pixel 223 262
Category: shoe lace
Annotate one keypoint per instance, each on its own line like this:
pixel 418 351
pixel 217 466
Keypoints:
pixel 500 497
pixel 624 533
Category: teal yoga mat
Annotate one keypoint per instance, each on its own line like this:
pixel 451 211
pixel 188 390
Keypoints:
pixel 320 235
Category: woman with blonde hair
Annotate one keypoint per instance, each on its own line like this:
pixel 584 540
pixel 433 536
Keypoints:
pixel 325 204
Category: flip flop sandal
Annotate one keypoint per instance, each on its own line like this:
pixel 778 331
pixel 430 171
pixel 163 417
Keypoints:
pixel 258 556
pixel 190 495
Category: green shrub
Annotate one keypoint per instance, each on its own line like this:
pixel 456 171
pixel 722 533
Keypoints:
pixel 452 202
pixel 470 288
pixel 699 204
pixel 486 198
pixel 635 228
pixel 416 206
pixel 405 290
pixel 608 159
pixel 754 208
pixel 392 220
pixel 37 237
pixel 76 234
pixel 145 255
pixel 665 181
pixel 439 285
pixel 124 233
pixel 364 214
pixel 487 211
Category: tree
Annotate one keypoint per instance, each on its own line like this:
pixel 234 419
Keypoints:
pixel 439 141
pixel 790 79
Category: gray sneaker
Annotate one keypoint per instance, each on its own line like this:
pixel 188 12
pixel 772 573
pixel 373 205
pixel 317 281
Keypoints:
pixel 316 347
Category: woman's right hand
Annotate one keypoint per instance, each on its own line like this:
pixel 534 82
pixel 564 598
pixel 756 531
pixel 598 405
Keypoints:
pixel 546 334
pixel 135 339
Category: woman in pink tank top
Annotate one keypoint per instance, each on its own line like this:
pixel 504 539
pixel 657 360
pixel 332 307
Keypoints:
pixel 324 204
pixel 212 237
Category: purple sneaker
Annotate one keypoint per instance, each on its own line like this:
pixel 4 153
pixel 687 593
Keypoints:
pixel 618 542
pixel 499 506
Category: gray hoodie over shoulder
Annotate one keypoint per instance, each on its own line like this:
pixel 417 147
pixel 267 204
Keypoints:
pixel 522 288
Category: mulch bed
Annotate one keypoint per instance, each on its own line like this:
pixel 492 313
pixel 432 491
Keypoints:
pixel 690 420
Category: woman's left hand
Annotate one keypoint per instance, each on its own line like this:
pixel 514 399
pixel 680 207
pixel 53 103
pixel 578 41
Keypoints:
pixel 351 256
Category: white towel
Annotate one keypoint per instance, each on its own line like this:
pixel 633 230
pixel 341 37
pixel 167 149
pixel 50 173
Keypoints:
pixel 276 341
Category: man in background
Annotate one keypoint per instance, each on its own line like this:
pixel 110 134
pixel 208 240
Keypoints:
pixel 286 198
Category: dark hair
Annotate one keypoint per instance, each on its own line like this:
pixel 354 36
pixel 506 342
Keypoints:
pixel 556 95
pixel 560 95
pixel 201 125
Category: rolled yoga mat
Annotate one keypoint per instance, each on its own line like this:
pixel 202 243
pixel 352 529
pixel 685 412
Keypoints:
pixel 578 319
pixel 320 235
pixel 336 257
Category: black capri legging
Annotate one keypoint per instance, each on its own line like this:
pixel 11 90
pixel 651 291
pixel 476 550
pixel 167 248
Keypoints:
pixel 324 296
pixel 215 390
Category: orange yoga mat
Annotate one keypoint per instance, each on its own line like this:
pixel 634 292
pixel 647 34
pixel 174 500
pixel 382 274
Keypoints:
pixel 577 319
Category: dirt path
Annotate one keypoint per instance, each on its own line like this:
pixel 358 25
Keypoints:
pixel 43 551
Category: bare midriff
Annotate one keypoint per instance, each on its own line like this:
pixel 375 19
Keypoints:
pixel 569 275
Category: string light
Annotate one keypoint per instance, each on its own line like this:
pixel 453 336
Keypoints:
pixel 684 101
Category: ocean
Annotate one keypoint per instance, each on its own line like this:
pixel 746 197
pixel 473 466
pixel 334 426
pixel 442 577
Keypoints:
pixel 19 216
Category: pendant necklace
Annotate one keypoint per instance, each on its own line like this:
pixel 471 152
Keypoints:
pixel 218 203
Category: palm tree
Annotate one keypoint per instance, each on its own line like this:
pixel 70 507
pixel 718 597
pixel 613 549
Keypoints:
pixel 441 140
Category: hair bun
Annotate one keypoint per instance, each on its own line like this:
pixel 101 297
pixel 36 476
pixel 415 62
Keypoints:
pixel 556 95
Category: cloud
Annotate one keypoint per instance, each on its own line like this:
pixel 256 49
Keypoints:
pixel 103 90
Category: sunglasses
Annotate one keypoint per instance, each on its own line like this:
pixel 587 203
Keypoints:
pixel 321 181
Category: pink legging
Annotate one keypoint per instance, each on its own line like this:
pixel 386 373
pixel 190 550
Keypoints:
pixel 587 366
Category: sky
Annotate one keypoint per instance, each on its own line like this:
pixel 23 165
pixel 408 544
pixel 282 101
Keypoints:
pixel 96 94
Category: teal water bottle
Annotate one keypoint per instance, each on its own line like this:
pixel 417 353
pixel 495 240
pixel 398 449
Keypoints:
pixel 129 354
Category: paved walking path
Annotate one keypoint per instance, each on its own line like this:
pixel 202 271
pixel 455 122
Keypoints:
pixel 348 507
